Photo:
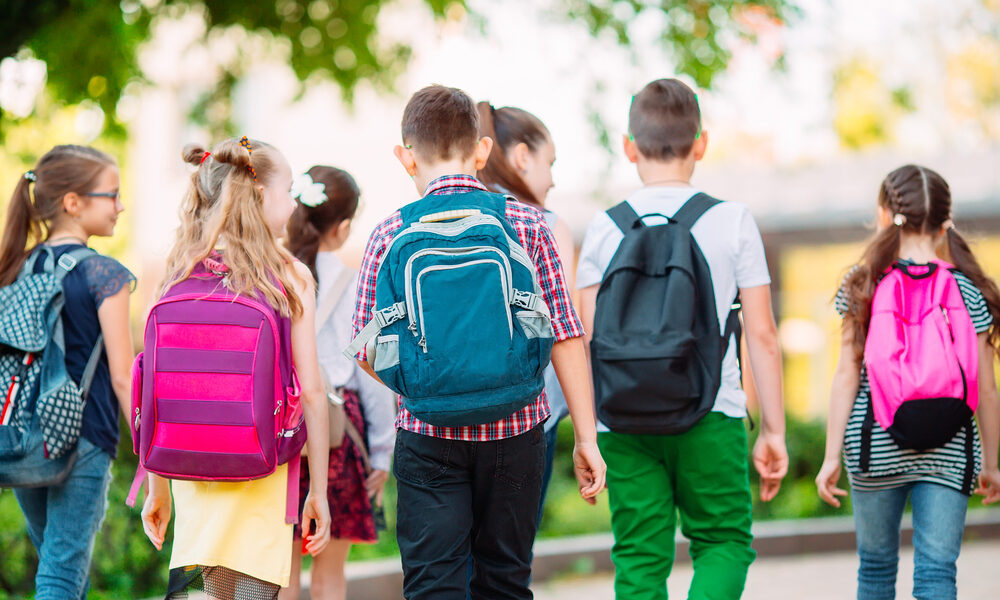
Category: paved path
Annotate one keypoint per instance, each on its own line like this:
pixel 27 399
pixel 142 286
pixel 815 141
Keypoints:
pixel 815 576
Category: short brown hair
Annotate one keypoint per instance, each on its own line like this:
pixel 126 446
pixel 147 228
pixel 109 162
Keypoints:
pixel 439 122
pixel 664 119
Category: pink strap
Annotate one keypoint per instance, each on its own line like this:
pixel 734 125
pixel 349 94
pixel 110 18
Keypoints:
pixel 133 493
pixel 292 497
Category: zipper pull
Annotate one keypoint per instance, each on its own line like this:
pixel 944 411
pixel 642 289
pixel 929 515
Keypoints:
pixel 277 408
pixel 136 419
pixel 413 328
pixel 423 343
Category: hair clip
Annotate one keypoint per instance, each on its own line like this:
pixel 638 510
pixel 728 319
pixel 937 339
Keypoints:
pixel 899 219
pixel 30 176
pixel 246 144
pixel 308 192
pixel 949 224
pixel 205 157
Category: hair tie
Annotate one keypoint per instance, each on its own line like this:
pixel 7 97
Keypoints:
pixel 899 219
pixel 246 144
pixel 949 224
pixel 205 157
pixel 30 176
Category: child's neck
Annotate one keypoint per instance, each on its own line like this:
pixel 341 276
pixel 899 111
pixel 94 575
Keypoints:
pixel 675 172
pixel 426 173
pixel 69 232
pixel 917 247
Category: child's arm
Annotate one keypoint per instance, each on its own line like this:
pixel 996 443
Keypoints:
pixel 844 389
pixel 570 364
pixel 769 454
pixel 114 319
pixel 989 423
pixel 156 509
pixel 314 405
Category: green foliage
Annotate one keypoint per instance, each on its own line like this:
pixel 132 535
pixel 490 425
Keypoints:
pixel 696 33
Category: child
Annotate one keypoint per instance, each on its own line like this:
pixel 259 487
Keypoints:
pixel 521 165
pixel 327 200
pixel 915 231
pixel 472 489
pixel 68 197
pixel 691 460
pixel 232 216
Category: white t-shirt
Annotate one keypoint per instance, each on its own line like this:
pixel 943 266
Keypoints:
pixel 729 240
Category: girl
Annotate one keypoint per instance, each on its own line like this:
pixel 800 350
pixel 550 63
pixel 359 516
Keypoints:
pixel 69 196
pixel 234 212
pixel 914 228
pixel 521 165
pixel 327 201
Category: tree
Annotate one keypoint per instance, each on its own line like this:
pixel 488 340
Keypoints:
pixel 89 46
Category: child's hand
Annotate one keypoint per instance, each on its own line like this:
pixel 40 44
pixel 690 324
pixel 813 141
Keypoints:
pixel 316 510
pixel 375 485
pixel 826 482
pixel 989 485
pixel 156 512
pixel 771 461
pixel 590 470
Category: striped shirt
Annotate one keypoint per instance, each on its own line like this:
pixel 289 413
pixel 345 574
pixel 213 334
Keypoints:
pixel 536 238
pixel 892 466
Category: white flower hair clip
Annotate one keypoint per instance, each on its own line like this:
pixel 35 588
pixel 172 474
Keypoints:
pixel 308 192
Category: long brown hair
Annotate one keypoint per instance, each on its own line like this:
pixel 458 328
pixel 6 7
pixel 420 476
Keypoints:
pixel 920 201
pixel 308 223
pixel 509 126
pixel 223 201
pixel 62 170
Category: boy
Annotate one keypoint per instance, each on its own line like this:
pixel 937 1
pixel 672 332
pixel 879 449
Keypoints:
pixel 474 490
pixel 701 472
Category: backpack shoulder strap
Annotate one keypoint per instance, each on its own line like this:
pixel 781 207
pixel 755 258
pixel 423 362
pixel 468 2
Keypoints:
pixel 70 260
pixel 694 208
pixel 623 215
pixel 329 302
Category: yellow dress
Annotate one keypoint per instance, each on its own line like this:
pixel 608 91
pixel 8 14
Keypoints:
pixel 240 526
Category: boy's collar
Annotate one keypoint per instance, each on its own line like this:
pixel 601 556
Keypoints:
pixel 458 180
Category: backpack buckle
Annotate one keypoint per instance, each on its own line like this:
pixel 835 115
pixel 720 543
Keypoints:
pixel 388 316
pixel 66 262
pixel 525 300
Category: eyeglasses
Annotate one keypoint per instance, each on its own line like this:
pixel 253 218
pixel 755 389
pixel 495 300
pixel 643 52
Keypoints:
pixel 115 195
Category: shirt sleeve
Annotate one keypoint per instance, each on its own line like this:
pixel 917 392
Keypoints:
pixel 979 312
pixel 106 277
pixel 365 302
pixel 592 262
pixel 565 321
pixel 751 263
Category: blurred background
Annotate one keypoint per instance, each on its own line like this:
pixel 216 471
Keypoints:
pixel 809 104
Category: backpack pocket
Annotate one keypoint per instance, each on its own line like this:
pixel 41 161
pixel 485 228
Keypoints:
pixel 136 402
pixel 537 329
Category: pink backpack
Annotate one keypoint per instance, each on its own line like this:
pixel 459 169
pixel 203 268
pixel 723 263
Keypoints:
pixel 922 357
pixel 214 393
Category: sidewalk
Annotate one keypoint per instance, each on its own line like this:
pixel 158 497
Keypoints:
pixel 816 576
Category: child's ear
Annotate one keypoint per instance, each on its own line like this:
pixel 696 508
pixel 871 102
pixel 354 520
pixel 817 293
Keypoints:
pixel 344 229
pixel 72 204
pixel 700 145
pixel 630 147
pixel 483 148
pixel 405 157
pixel 519 157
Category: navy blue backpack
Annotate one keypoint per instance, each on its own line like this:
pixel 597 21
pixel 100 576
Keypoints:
pixel 460 329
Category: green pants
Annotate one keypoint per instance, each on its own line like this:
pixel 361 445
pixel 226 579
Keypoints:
pixel 700 474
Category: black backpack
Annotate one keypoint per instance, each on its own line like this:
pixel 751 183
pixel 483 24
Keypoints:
pixel 657 350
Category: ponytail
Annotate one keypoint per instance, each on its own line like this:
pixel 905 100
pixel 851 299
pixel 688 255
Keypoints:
pixel 859 285
pixel 22 223
pixel 508 127
pixel 961 256
pixel 303 239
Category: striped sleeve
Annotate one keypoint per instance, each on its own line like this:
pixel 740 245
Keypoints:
pixel 840 300
pixel 982 320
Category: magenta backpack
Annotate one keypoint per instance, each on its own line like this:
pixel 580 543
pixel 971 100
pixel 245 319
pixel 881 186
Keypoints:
pixel 214 392
pixel 922 358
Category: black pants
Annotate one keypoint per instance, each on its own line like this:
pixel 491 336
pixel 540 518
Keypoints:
pixel 459 499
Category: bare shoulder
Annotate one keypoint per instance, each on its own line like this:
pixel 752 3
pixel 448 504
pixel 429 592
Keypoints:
pixel 302 278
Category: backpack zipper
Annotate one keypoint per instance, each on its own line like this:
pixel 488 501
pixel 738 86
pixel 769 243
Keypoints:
pixel 420 303
pixel 408 274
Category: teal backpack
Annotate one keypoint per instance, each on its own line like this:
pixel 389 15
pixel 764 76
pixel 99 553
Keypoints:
pixel 460 329
pixel 42 409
